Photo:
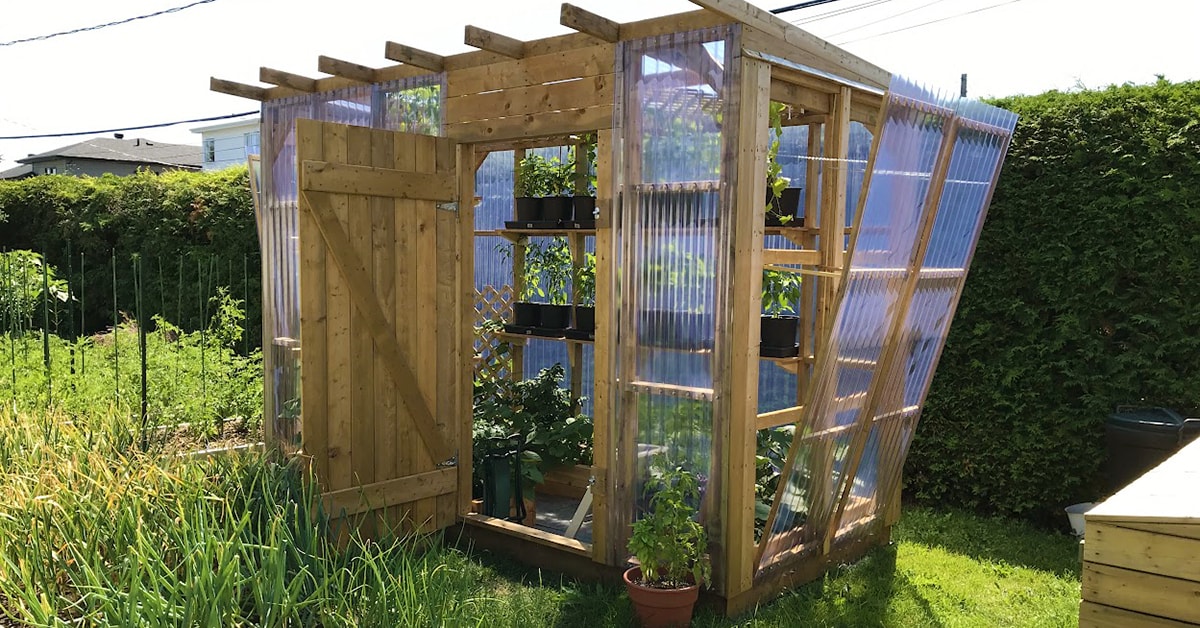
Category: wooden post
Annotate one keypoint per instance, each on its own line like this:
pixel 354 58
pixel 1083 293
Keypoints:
pixel 517 349
pixel 738 431
pixel 465 169
pixel 602 392
pixel 809 341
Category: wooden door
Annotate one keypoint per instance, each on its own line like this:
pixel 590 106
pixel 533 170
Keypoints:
pixel 385 274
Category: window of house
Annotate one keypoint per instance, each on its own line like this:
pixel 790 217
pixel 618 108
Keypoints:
pixel 252 143
pixel 50 170
pixel 210 150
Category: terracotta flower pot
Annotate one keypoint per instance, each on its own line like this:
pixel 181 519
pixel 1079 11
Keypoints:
pixel 660 608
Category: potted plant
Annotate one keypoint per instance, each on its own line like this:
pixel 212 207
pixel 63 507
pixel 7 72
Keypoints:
pixel 670 547
pixel 585 290
pixel 531 186
pixel 780 292
pixel 549 269
pixel 783 202
pixel 534 420
pixel 546 183
pixel 584 204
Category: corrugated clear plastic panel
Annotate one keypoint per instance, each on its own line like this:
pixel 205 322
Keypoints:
pixel 975 160
pixel 412 105
pixel 674 95
pixel 494 187
pixel 888 232
pixel 349 105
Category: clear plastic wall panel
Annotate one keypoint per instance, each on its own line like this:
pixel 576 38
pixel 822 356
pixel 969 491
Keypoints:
pixel 350 105
pixel 494 187
pixel 975 159
pixel 412 105
pixel 888 233
pixel 670 230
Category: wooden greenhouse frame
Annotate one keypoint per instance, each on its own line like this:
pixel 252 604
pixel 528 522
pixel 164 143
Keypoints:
pixel 372 307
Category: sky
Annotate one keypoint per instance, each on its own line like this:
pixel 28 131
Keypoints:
pixel 157 69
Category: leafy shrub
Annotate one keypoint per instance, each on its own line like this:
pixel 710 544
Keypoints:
pixel 1082 296
pixel 193 231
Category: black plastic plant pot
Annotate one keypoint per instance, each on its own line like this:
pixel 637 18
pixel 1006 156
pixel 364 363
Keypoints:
pixel 779 331
pixel 785 210
pixel 527 314
pixel 556 208
pixel 529 208
pixel 555 316
pixel 585 207
pixel 585 318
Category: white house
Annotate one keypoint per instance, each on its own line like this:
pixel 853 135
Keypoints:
pixel 228 143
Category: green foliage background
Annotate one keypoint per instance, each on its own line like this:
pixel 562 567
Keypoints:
pixel 198 225
pixel 1083 294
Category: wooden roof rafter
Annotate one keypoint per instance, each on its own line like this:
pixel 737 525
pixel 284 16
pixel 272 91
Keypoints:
pixel 484 39
pixel 287 79
pixel 347 69
pixel 414 57
pixel 589 23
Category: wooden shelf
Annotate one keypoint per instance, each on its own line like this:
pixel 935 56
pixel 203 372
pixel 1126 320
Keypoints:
pixel 516 235
pixel 511 337
pixel 791 365
pixel 672 390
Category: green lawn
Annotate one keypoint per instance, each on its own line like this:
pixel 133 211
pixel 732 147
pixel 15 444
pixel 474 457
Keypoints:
pixel 95 532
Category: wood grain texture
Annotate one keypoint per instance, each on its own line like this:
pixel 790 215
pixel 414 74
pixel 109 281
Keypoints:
pixel 347 69
pixel 1140 592
pixel 414 56
pixel 585 21
pixel 493 42
pixel 1162 554
pixel 287 79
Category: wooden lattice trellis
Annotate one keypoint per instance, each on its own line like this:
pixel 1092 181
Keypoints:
pixel 495 304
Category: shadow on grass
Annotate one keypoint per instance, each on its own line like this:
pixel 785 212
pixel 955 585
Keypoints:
pixel 990 538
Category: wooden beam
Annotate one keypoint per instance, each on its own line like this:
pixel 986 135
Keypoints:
pixel 493 42
pixel 356 499
pixel 287 79
pixel 776 418
pixel 414 56
pixel 791 256
pixel 322 176
pixel 750 15
pixel 242 90
pixel 346 69
pixel 590 23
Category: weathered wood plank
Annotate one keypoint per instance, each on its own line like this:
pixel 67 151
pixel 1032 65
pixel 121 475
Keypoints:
pixel 1093 615
pixel 362 358
pixel 339 308
pixel 602 398
pixel 534 99
pixel 739 431
pixel 233 88
pixel 1160 554
pixel 1142 592
pixel 791 256
pixel 314 376
pixel 807 48
pixel 383 261
pixel 776 418
pixel 585 21
pixel 516 127
pixel 465 273
pixel 335 178
pixel 392 492
pixel 494 42
pixel 533 70
pixel 425 314
pixel 346 69
pixel 287 79
pixel 414 56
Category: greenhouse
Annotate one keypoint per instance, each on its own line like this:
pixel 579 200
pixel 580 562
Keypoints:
pixel 711 238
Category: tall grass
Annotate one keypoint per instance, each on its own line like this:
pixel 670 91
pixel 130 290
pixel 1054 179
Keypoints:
pixel 94 531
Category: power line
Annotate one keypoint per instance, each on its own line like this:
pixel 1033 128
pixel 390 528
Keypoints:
pixel 802 5
pixel 942 19
pixel 105 25
pixel 884 19
pixel 842 11
pixel 127 128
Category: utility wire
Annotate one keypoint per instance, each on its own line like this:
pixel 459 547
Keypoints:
pixel 842 11
pixel 105 25
pixel 802 5
pixel 943 19
pixel 127 128
pixel 884 19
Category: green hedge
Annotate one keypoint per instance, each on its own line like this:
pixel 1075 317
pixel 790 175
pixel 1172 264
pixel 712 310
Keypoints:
pixel 193 231
pixel 1084 294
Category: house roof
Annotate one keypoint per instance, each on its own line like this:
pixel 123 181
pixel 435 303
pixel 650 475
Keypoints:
pixel 20 172
pixel 137 150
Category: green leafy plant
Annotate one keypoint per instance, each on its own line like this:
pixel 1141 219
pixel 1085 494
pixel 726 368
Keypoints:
pixel 541 176
pixel 588 144
pixel 670 545
pixel 780 291
pixel 541 411
pixel 585 280
pixel 776 182
pixel 22 286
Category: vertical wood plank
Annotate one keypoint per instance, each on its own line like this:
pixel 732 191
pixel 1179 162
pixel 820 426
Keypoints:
pixel 426 317
pixel 313 375
pixel 810 321
pixel 446 288
pixel 739 430
pixel 339 378
pixel 362 353
pixel 408 442
pixel 517 350
pixel 383 261
pixel 466 307
pixel 601 352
